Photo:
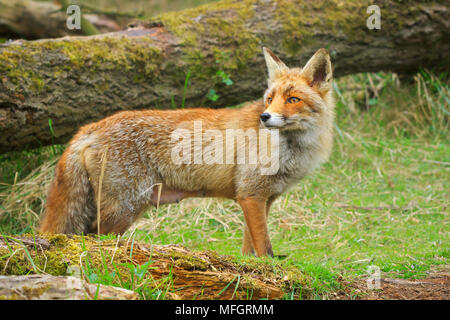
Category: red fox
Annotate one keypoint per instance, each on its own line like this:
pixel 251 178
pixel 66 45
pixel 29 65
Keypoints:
pixel 125 162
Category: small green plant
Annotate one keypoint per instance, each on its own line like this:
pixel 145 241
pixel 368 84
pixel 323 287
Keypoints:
pixel 225 78
pixel 186 82
pixel 137 273
pixel 212 95
pixel 52 132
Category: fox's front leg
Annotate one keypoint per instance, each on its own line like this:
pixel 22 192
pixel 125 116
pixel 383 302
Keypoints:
pixel 256 236
pixel 247 247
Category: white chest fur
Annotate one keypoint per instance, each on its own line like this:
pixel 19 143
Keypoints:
pixel 300 154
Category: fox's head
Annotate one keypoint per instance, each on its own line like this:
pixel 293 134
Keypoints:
pixel 296 98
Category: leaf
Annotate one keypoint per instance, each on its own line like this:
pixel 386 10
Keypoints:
pixel 50 124
pixel 228 81
pixel 212 95
pixel 225 77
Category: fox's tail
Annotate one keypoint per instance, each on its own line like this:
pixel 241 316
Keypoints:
pixel 70 204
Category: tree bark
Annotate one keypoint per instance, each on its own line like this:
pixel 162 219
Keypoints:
pixel 77 80
pixel 184 274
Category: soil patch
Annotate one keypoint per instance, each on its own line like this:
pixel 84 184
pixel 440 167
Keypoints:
pixel 436 286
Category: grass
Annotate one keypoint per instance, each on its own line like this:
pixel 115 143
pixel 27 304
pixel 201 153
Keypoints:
pixel 382 199
pixel 134 279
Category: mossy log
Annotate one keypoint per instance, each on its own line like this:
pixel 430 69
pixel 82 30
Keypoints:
pixel 177 58
pixel 174 270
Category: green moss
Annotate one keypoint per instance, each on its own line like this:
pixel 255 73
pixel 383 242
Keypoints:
pixel 19 259
pixel 248 283
pixel 224 23
pixel 37 84
pixel 13 61
pixel 188 262
pixel 29 66
pixel 109 53
pixel 13 55
pixel 58 240
pixel 288 277
pixel 19 262
pixel 341 19
pixel 35 292
pixel 301 22
pixel 294 25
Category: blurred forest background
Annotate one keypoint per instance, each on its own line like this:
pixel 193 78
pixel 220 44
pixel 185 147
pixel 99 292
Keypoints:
pixel 381 200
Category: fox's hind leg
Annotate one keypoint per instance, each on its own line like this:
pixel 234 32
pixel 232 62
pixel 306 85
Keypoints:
pixel 111 225
pixel 119 206
pixel 117 216
pixel 114 218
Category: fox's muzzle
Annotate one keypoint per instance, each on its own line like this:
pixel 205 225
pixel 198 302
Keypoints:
pixel 272 120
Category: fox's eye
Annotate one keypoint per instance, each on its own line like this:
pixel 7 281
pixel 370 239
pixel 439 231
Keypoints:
pixel 269 100
pixel 293 100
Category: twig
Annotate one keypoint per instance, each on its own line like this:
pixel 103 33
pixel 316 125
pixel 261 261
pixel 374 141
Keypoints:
pixel 438 162
pixel 346 206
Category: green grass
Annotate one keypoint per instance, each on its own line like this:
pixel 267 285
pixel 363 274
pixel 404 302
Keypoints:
pixel 382 198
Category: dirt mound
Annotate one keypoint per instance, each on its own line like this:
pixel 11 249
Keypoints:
pixel 436 286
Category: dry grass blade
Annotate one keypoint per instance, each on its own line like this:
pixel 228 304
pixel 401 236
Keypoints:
pixel 24 200
pixel 100 183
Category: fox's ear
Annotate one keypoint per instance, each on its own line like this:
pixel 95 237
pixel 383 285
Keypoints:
pixel 318 70
pixel 274 64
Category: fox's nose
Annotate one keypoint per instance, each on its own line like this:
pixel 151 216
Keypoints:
pixel 265 116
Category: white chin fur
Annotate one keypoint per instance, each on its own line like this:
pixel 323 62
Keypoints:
pixel 275 120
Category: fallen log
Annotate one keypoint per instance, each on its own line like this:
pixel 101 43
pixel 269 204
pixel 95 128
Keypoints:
pixel 174 271
pixel 179 58
pixel 47 287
